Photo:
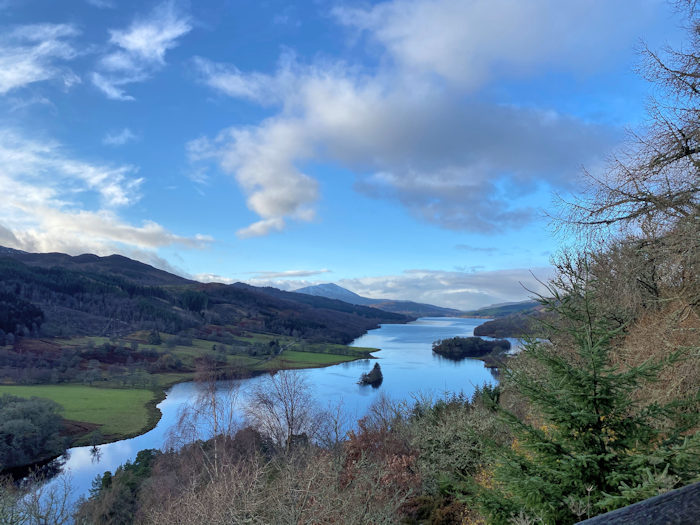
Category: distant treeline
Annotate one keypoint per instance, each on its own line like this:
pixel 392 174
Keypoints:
pixel 119 362
pixel 514 325
pixel 18 316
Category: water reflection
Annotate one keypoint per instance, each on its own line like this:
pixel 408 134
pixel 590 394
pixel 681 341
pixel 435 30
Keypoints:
pixel 96 454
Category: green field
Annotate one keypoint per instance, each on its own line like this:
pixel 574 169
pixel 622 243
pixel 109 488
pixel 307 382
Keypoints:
pixel 130 410
pixel 293 359
pixel 119 412
pixel 314 356
pixel 297 354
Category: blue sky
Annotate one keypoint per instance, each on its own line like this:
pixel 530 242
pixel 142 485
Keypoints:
pixel 405 149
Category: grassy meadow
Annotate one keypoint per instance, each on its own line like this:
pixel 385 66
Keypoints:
pixel 118 409
pixel 119 412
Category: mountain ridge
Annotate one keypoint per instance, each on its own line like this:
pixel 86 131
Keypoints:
pixel 92 295
pixel 334 291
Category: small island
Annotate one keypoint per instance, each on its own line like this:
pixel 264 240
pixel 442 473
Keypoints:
pixel 458 348
pixel 374 377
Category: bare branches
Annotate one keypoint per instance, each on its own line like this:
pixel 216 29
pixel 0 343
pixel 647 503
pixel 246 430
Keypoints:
pixel 283 409
pixel 655 181
pixel 36 502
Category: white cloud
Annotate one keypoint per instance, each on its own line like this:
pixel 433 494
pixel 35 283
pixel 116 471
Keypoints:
pixel 469 42
pixel 452 289
pixel 139 50
pixel 288 274
pixel 119 138
pixel 258 87
pixel 31 53
pixel 213 278
pixel 61 178
pixel 21 103
pixel 457 163
pixel 46 203
pixel 285 279
pixel 111 86
pixel 263 162
pixel 423 127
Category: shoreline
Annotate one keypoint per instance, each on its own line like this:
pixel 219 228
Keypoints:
pixel 154 414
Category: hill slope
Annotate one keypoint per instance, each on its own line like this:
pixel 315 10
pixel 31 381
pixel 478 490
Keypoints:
pixel 521 323
pixel 91 295
pixel 502 310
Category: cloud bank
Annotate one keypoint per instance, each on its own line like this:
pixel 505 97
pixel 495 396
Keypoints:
pixel 422 128
pixel 453 289
pixel 54 202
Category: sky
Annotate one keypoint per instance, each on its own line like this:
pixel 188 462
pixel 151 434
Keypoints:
pixel 407 149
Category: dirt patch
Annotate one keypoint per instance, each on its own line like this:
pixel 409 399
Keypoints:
pixel 38 346
pixel 77 429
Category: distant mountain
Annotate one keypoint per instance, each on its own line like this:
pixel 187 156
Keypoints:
pixel 502 309
pixel 57 294
pixel 333 291
pixel 513 320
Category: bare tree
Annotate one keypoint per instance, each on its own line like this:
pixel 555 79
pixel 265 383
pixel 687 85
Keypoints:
pixel 654 182
pixel 36 502
pixel 282 407
pixel 334 424
pixel 209 422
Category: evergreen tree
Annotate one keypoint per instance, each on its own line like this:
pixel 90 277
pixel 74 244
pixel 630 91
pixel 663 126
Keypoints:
pixel 593 444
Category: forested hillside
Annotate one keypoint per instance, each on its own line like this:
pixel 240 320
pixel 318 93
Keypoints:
pixel 72 324
pixel 503 310
pixel 60 295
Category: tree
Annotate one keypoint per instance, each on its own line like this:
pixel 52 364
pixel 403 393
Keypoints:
pixel 592 444
pixel 154 338
pixel 114 499
pixel 655 182
pixel 374 377
pixel 37 501
pixel 282 407
pixel 29 431
pixel 646 205
pixel 209 423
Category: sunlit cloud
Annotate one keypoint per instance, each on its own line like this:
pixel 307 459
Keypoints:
pixel 468 43
pixel 49 203
pixel 213 278
pixel 289 274
pixel 416 130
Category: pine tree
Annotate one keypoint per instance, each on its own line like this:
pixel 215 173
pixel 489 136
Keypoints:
pixel 595 445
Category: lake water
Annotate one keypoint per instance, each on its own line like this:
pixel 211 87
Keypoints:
pixel 406 358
